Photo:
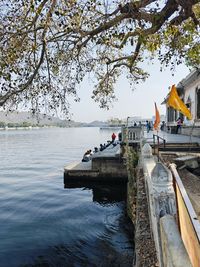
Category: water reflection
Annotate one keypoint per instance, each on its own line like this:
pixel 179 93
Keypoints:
pixel 102 193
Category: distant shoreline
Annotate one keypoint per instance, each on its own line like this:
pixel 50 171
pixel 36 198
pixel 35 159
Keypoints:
pixel 25 128
pixel 48 126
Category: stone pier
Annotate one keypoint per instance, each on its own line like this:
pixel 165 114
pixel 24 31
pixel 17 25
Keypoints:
pixel 104 166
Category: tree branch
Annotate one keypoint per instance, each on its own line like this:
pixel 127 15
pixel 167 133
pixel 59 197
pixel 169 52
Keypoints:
pixel 4 98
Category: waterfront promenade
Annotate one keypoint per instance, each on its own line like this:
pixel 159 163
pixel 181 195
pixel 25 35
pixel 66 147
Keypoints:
pixel 172 138
pixel 173 190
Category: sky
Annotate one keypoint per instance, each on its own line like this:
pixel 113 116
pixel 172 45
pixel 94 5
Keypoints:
pixel 139 102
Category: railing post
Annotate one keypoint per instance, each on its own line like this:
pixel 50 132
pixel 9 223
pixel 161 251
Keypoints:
pixel 158 143
pixel 164 142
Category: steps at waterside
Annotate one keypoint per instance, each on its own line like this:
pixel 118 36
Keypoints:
pixel 179 147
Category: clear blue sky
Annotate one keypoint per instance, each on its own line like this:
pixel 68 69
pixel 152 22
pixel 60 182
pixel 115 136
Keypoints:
pixel 139 102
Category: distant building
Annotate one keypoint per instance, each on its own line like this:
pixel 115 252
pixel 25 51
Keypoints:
pixel 138 120
pixel 189 91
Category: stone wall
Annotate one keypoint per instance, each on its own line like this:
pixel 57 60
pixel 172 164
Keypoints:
pixel 144 243
pixel 194 131
pixel 161 203
pixel 173 250
pixel 113 167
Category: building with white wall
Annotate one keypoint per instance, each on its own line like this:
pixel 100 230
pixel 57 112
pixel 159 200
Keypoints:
pixel 189 91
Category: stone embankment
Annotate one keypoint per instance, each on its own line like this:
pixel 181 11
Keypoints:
pixel 161 201
pixel 144 243
pixel 152 207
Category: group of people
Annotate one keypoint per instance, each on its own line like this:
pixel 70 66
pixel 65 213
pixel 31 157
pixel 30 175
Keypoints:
pixel 149 125
pixel 103 146
pixel 88 154
pixel 113 137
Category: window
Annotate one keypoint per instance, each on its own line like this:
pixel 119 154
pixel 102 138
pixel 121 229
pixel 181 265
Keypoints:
pixel 170 114
pixel 131 135
pixel 188 105
pixel 176 114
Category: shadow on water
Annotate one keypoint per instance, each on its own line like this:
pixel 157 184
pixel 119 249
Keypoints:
pixel 102 192
pixel 109 245
pixel 62 256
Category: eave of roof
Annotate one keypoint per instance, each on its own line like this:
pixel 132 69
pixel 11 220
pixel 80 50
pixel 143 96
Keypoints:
pixel 191 77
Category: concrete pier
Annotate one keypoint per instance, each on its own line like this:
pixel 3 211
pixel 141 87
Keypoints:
pixel 105 166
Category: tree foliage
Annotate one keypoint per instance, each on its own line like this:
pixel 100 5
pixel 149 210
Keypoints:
pixel 49 46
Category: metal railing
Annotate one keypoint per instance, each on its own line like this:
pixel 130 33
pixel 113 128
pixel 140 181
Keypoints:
pixel 158 138
pixel 188 222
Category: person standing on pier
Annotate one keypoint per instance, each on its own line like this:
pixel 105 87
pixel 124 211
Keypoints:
pixel 148 125
pixel 113 137
pixel 178 126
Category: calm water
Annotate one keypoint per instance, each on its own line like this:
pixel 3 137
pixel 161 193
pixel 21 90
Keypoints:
pixel 44 224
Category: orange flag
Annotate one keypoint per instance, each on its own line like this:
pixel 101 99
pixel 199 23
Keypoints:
pixel 157 119
pixel 175 102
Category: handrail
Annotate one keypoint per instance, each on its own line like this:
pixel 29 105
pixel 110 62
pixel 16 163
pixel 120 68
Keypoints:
pixel 158 143
pixel 159 137
pixel 188 222
pixel 187 201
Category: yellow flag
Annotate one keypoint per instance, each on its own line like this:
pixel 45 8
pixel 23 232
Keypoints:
pixel 175 102
pixel 157 118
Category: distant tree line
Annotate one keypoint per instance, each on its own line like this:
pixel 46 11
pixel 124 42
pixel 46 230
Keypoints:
pixel 17 124
pixel 30 124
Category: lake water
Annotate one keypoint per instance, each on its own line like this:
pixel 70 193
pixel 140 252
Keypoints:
pixel 44 224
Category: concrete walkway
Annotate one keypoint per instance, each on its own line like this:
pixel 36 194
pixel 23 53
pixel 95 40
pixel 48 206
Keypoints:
pixel 171 138
pixel 79 166
pixel 110 151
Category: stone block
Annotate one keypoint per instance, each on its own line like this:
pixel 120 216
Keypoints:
pixel 147 151
pixel 189 161
pixel 173 250
pixel 161 177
